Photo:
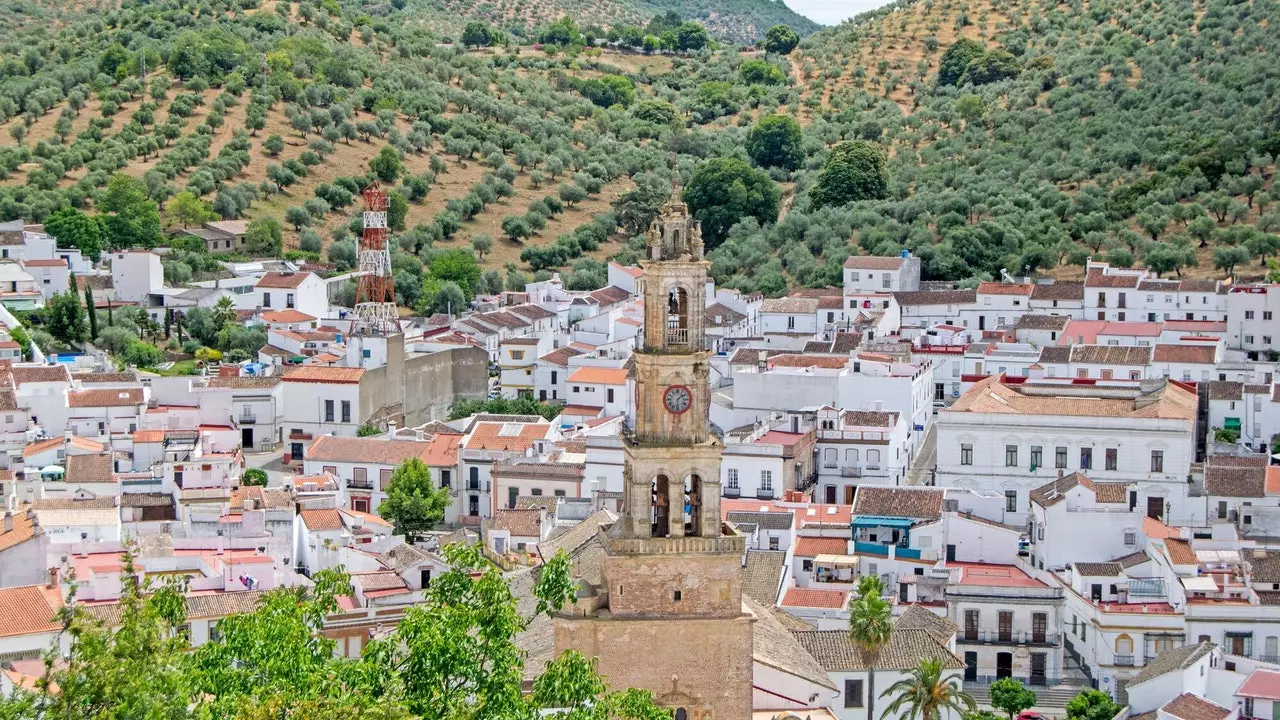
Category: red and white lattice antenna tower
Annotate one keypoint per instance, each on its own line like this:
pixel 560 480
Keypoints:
pixel 375 290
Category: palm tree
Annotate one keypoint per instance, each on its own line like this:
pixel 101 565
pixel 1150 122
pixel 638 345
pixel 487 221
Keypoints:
pixel 870 624
pixel 925 693
pixel 224 313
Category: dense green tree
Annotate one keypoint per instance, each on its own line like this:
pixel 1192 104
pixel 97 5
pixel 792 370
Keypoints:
pixel 1092 705
pixel 386 164
pixel 761 72
pixel 64 318
pixel 1009 695
pixel 723 191
pixel 776 141
pixel 457 266
pixel 186 210
pixel 477 34
pixel 131 218
pixel 780 39
pixel 481 244
pixel 414 504
pixel 264 237
pixel 991 67
pixel 74 229
pixel 855 170
pixel 691 37
pixel 658 112
pixel 955 61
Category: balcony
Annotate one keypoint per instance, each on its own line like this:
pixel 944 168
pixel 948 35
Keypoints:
pixel 1012 637
pixel 248 418
pixel 851 471
pixel 677 336
pixel 473 485
pixel 731 492
pixel 355 484
pixel 765 494
pixel 1124 660
pixel 299 435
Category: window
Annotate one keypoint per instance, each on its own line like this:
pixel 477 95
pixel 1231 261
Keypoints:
pixel 577 388
pixel 384 479
pixel 288 300
pixel 830 457
pixel 885 283
pixel 1011 501
pixel 446 478
pixel 1248 314
pixel 266 299
pixel 966 454
pixel 1037 457
pixel 853 693
pixel 731 478
pixel 1086 458
pixel 766 480
pixel 346 411
pixel 791 322
pixel 517 354
pixel 1111 458
pixel 1266 314
pixel 853 277
pixel 1060 457
pixel 1248 339
pixel 608 394
pixel 1011 455
pixel 328 411
pixel 1130 538
pixel 1157 461
pixel 807 565
pixel 773 542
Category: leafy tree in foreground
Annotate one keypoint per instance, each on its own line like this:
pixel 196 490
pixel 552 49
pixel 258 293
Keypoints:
pixel 776 141
pixel 1092 705
pixel 414 504
pixel 956 60
pixel 74 229
pixel 870 626
pixel 726 190
pixel 64 318
pixel 186 210
pixel 132 219
pixel 1009 695
pixel 264 236
pixel 855 170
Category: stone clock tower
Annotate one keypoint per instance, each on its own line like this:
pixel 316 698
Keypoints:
pixel 667 614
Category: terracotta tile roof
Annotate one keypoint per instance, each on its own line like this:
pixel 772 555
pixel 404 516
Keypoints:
pixel 1058 291
pixel 790 305
pixel 104 397
pixel 774 646
pixel 327 519
pixel 870 418
pixel 873 262
pixel 346 515
pixel 814 598
pixel 289 315
pixel 28 610
pixel 148 436
pixel 283 281
pixel 1042 322
pixel 1180 551
pixel 916 617
pixel 520 523
pixel 212 605
pixel 90 468
pixel 631 270
pixel 1164 401
pixel 1133 559
pixel 751 356
pixel 1132 329
pixel 40 446
pixel 372 450
pixel 1194 707
pixel 815 546
pixel 1099 279
pixel 1172 660
pixel 809 361
pixel 1261 684
pixel 1225 390
pixel 24 528
pixel 1111 493
pixel 1055 491
pixel 906 648
pixel 920 503
pixel 936 297
pixel 1100 569
pixel 516 437
pixel 560 356
pixel 113 378
pixel 243 382
pixel 719 315
pixel 380 580
pixel 323 374
pixel 1243 482
pixel 831 303
pixel 442 450
pixel 603 375
pixel 1203 353
pixel 610 295
pixel 1202 286
pixel 1111 354
pixel 1273 480
pixel 56 262
pixel 532 312
pixel 1159 285
pixel 762 575
pixel 1003 288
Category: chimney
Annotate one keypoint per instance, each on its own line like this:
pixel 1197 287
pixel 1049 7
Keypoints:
pixel 8 521
pixel 53 577
pixel 391 430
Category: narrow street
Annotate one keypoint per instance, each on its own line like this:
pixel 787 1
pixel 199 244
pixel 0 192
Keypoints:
pixel 925 461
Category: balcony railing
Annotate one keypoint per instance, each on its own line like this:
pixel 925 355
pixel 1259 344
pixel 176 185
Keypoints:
pixel 764 494
pixel 1124 660
pixel 1013 637
pixel 296 435
pixel 677 336
pixel 355 484
pixel 853 471
pixel 731 492
pixel 473 485
pixel 248 418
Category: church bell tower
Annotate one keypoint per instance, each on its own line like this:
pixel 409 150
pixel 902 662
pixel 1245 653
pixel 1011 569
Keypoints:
pixel 669 616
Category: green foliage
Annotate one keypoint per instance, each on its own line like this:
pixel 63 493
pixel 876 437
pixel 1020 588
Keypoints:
pixel 607 90
pixel 761 72
pixel 386 164
pixel 74 229
pixel 658 112
pixel 264 237
pixel 64 318
pixel 780 39
pixel 870 627
pixel 477 34
pixel 503 406
pixel 776 141
pixel 1092 705
pixel 955 61
pixel 855 170
pixel 459 267
pixel 414 504
pixel 1226 435
pixel 691 37
pixel 131 218
pixel 1009 695
pixel 726 190
pixel 186 210
pixel 368 431
pixel 928 692
pixel 991 67
pixel 254 477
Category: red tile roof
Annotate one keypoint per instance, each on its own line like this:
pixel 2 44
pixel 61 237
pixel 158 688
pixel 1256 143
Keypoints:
pixel 327 519
pixel 283 281
pixel 325 374
pixel 372 450
pixel 287 316
pixel 1206 354
pixel 104 397
pixel 809 597
pixel 1261 684
pixel 815 546
pixel 601 375
pixel 1000 288
pixel 28 610
pixel 506 436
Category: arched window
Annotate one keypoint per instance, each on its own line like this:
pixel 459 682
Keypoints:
pixel 682 714
pixel 661 503
pixel 693 501
pixel 851 456
pixel 873 457
pixel 830 457
pixel 1124 648
pixel 678 317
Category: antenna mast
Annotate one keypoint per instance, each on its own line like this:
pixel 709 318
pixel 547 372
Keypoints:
pixel 375 290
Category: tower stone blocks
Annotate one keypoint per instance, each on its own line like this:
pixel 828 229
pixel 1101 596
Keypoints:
pixel 668 615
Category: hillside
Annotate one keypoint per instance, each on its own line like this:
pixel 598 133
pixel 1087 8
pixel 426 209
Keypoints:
pixel 1023 135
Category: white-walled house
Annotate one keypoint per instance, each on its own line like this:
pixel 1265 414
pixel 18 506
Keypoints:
pixel 318 400
pixel 1074 519
pixel 302 291
pixel 866 273
pixel 1013 437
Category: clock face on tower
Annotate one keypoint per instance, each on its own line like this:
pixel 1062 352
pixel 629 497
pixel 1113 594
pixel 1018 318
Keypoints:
pixel 677 399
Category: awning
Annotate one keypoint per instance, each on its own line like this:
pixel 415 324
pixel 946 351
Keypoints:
pixel 836 560
pixel 1201 584
pixel 881 521
pixel 1231 423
